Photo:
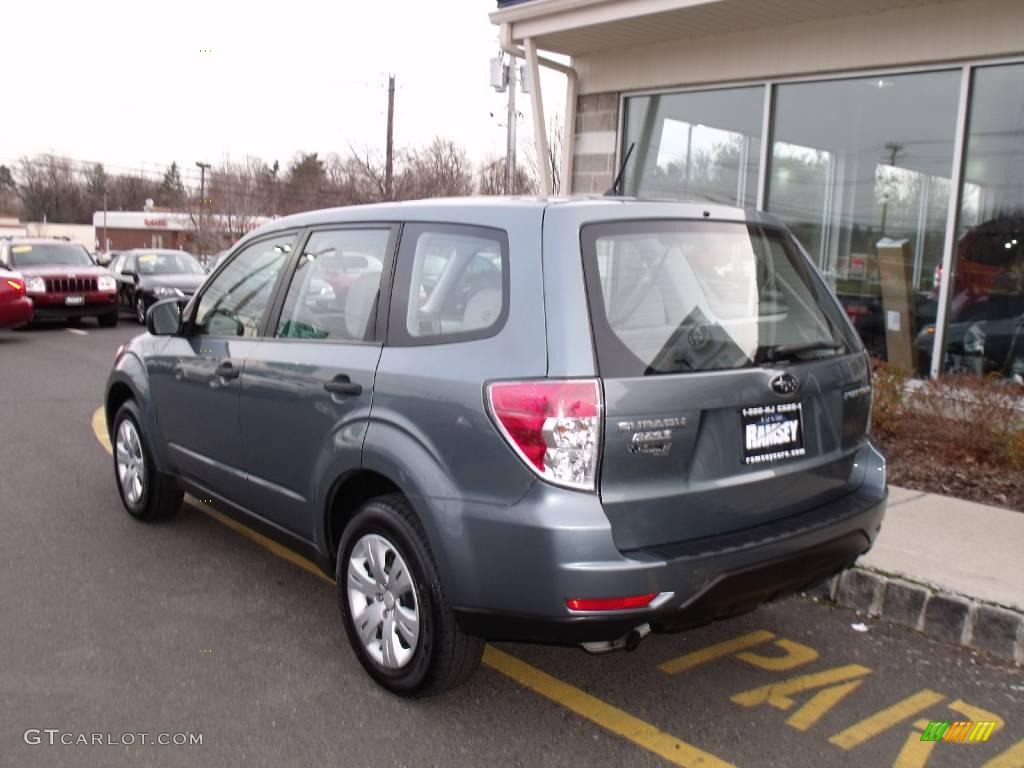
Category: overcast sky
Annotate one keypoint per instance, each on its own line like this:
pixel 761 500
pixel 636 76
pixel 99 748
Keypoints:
pixel 126 83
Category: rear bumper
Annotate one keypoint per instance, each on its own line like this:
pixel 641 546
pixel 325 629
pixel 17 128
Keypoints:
pixel 524 576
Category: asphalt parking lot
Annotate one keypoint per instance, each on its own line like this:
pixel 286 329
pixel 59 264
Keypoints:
pixel 197 627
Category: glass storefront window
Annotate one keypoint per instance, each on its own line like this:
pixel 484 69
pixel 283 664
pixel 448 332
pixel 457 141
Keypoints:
pixel 985 332
pixel 860 170
pixel 700 146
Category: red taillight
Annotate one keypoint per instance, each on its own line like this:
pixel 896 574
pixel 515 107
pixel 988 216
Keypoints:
pixel 16 284
pixel 555 426
pixel 609 603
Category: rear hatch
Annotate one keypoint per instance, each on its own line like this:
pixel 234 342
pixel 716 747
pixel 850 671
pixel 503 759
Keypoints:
pixel 736 392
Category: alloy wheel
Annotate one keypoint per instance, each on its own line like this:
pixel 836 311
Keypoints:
pixel 140 311
pixel 383 602
pixel 131 464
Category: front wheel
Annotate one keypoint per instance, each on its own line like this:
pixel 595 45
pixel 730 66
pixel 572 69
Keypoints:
pixel 140 311
pixel 396 615
pixel 145 492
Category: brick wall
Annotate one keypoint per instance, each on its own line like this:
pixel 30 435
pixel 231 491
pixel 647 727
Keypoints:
pixel 597 120
pixel 123 239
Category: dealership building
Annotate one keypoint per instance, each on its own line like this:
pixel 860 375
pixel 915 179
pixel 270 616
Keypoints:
pixel 122 230
pixel 887 134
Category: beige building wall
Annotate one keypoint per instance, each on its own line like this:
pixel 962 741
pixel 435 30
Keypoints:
pixel 951 31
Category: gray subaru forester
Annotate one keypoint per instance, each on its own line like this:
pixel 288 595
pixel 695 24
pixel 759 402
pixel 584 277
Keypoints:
pixel 557 421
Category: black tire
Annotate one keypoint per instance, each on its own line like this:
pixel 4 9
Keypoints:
pixel 160 497
pixel 445 657
pixel 108 321
pixel 140 310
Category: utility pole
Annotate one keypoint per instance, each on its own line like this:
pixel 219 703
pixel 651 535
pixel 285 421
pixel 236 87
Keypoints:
pixel 510 123
pixel 106 246
pixel 389 159
pixel 202 199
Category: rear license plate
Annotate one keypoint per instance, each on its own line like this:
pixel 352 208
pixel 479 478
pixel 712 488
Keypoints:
pixel 74 301
pixel 771 433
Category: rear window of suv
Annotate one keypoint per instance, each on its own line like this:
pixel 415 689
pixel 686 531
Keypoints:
pixel 676 296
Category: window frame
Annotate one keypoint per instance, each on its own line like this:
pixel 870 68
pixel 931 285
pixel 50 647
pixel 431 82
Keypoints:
pixel 380 316
pixel 397 333
pixel 189 326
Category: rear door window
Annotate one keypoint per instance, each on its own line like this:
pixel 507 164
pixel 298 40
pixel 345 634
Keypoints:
pixel 451 284
pixel 676 296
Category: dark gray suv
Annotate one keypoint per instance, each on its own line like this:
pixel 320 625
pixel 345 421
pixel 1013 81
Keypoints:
pixel 561 421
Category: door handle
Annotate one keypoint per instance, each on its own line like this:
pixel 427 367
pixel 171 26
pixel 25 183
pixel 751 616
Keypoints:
pixel 343 385
pixel 228 371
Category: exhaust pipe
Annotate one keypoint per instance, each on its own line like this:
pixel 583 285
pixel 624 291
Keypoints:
pixel 628 642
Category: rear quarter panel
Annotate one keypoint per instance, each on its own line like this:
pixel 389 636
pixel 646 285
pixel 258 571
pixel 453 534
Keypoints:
pixel 429 428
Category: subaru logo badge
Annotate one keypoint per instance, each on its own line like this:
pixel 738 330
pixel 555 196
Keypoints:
pixel 785 384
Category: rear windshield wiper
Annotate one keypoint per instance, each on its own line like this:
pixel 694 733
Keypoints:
pixel 789 351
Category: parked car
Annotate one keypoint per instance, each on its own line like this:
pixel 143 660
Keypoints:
pixel 106 258
pixel 990 261
pixel 147 275
pixel 991 342
pixel 62 280
pixel 642 418
pixel 15 306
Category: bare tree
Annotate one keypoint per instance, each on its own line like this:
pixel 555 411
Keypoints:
pixel 556 133
pixel 236 191
pixel 367 167
pixel 9 201
pixel 493 180
pixel 441 169
pixel 50 190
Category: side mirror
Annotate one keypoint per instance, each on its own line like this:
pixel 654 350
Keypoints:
pixel 164 317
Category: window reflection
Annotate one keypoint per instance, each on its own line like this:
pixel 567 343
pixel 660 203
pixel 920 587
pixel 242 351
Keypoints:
pixel 860 170
pixel 699 146
pixel 985 334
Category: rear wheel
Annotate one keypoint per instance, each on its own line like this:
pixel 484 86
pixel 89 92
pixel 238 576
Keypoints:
pixel 108 321
pixel 145 492
pixel 393 605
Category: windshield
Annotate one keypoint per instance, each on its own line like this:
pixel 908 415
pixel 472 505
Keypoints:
pixel 48 254
pixel 675 296
pixel 173 263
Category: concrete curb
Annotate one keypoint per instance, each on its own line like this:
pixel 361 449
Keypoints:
pixel 936 612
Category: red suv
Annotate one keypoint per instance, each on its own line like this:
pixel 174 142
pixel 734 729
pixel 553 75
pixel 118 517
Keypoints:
pixel 62 279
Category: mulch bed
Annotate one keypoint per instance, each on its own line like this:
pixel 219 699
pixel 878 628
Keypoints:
pixel 941 468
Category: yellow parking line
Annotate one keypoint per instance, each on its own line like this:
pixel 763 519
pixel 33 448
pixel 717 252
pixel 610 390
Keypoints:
pixel 717 651
pixel 611 718
pixel 1011 758
pixel 871 726
pixel 99 428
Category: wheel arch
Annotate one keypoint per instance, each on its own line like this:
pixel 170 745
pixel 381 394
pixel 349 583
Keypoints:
pixel 128 381
pixel 351 490
pixel 347 494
